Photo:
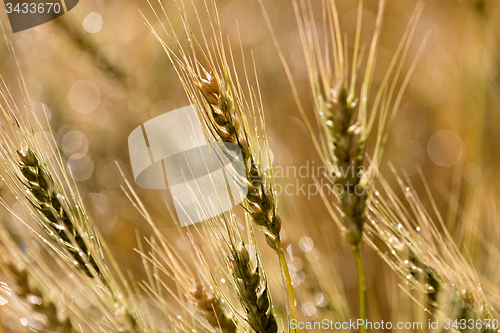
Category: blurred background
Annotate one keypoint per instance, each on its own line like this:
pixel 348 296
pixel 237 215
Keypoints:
pixel 100 73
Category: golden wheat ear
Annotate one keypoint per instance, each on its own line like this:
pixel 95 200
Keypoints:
pixel 344 111
pixel 229 259
pixel 232 112
pixel 35 173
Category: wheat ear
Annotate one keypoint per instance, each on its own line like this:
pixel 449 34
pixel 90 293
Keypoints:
pixel 28 289
pixel 51 204
pixel 45 306
pixel 211 309
pixel 47 193
pixel 252 290
pixel 244 271
pixel 227 125
pixel 344 115
pixel 165 259
pixel 219 97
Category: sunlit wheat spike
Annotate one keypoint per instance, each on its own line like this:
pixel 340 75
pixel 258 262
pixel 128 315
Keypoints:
pixel 211 308
pixel 229 110
pixel 345 112
pixel 26 290
pixel 50 203
pixel 425 255
pixel 44 184
pixel 228 127
pixel 344 109
pixel 34 171
pixel 232 110
pixel 228 257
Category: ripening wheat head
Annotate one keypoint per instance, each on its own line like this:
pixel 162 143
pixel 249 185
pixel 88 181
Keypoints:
pixel 417 245
pixel 34 171
pixel 229 290
pixel 232 111
pixel 27 290
pixel 345 110
pixel 227 104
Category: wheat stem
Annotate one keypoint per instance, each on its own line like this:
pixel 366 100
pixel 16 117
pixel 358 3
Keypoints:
pixel 289 283
pixel 362 287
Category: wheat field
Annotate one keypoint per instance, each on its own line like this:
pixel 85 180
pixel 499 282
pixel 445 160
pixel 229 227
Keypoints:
pixel 360 191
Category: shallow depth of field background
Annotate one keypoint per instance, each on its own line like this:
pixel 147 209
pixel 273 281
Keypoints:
pixel 101 73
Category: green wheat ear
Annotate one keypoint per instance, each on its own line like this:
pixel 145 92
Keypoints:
pixel 228 127
pixel 51 204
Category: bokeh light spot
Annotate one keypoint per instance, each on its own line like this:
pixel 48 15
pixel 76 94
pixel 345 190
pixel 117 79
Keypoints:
pixel 445 148
pixel 93 23
pixel 84 96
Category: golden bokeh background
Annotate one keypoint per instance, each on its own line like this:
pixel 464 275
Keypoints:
pixel 100 73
